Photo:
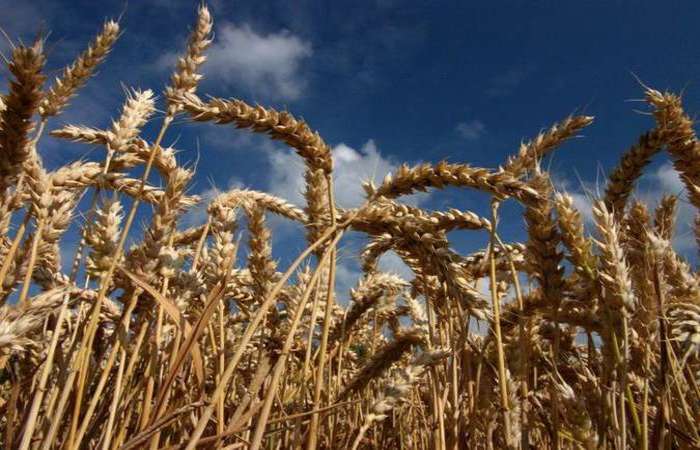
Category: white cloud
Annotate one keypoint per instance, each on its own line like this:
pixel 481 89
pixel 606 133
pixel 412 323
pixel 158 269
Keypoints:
pixel 266 64
pixel 286 177
pixel 505 83
pixel 351 168
pixel 668 179
pixel 392 263
pixel 584 203
pixel 471 130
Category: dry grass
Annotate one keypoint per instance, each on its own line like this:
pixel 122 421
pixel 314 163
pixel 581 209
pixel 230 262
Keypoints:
pixel 178 343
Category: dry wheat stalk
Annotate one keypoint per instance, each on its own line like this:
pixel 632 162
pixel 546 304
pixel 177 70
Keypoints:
pixel 77 74
pixel 573 235
pixel 261 200
pixel 613 269
pixel 262 267
pixel 531 153
pixel 383 359
pixel 679 137
pixel 186 77
pixel 407 180
pixel 279 125
pixel 543 240
pixel 685 328
pixel 622 179
pixel 138 108
pixel 102 236
pixel 368 293
pixel 20 105
pixel 665 217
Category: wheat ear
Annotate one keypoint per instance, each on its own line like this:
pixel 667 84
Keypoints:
pixel 77 74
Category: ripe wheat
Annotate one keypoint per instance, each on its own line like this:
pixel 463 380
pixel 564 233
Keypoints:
pixel 575 338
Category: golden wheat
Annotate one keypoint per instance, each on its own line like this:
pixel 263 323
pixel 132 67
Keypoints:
pixel 591 338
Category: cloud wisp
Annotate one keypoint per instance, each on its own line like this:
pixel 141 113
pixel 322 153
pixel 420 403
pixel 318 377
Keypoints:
pixel 267 65
pixel 471 130
pixel 505 83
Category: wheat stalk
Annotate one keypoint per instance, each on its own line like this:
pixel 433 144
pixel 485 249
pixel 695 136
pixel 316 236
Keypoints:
pixel 77 74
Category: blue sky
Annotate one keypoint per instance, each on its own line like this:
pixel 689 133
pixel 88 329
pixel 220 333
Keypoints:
pixel 387 81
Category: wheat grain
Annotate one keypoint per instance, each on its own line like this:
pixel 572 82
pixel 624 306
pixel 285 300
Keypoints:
pixel 665 216
pixel 629 169
pixel 384 358
pixel 613 269
pixel 138 108
pixel 573 235
pixel 279 125
pixel 102 236
pixel 77 74
pixel 531 153
pixel 186 76
pixel 21 103
pixel 407 180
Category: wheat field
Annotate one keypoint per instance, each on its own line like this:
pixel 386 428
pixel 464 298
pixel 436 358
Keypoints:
pixel 576 338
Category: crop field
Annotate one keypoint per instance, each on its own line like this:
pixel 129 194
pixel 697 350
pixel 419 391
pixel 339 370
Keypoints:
pixel 578 337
